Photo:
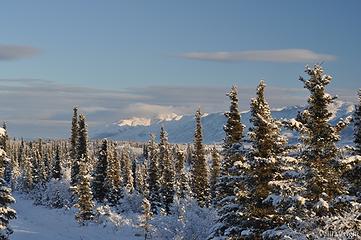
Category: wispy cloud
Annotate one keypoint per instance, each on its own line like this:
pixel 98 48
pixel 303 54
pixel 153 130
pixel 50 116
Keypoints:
pixel 280 55
pixel 16 52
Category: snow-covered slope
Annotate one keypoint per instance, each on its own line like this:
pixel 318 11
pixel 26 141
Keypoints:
pixel 181 128
pixel 41 223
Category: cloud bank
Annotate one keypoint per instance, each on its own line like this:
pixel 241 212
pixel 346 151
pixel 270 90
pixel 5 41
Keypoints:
pixel 16 52
pixel 40 108
pixel 281 55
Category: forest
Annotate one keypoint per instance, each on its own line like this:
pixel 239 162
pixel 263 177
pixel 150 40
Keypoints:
pixel 253 185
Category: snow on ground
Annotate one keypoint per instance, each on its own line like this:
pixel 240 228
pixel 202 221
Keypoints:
pixel 41 223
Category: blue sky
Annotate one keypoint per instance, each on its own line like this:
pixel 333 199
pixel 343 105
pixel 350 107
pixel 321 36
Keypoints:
pixel 132 46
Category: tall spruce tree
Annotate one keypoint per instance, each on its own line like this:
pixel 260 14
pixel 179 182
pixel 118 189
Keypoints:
pixel 6 199
pixel 167 185
pixel 200 173
pixel 73 146
pixel 267 145
pixel 153 175
pixel 319 138
pixel 113 180
pixel 265 135
pixel 215 172
pixel 128 180
pixel 181 178
pixel 357 125
pixel 81 147
pixel 99 188
pixel 230 190
pixel 84 194
pixel 56 168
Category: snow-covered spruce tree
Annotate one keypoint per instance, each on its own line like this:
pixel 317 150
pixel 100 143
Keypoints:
pixel 98 183
pixel 113 180
pixel 6 199
pixel 167 185
pixel 145 219
pixel 265 135
pixel 189 155
pixel 215 172
pixel 230 189
pixel 73 146
pixel 127 170
pixel 357 125
pixel 141 179
pixel 267 146
pixel 56 168
pixel 27 174
pixel 84 194
pixel 181 179
pixel 153 175
pixel 319 138
pixel 199 171
pixel 6 212
pixel 81 146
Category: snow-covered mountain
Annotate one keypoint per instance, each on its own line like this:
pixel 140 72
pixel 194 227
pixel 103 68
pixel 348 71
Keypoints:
pixel 181 128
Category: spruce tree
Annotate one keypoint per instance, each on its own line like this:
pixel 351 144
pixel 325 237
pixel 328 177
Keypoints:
pixel 6 199
pixel 6 212
pixel 145 219
pixel 215 172
pixel 167 185
pixel 141 179
pixel 230 190
pixel 181 179
pixel 153 175
pixel 265 134
pixel 81 147
pixel 100 173
pixel 84 194
pixel 357 125
pixel 267 146
pixel 200 184
pixel 73 146
pixel 127 170
pixel 27 174
pixel 113 180
pixel 319 138
pixel 56 168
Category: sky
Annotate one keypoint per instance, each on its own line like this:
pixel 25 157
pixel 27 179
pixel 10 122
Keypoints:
pixel 119 59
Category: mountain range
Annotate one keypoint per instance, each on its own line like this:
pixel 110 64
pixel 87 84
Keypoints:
pixel 180 128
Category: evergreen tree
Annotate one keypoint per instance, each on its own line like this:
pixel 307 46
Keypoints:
pixel 81 147
pixel 27 174
pixel 113 178
pixel 181 179
pixel 200 185
pixel 6 199
pixel 84 194
pixel 6 212
pixel 145 219
pixel 56 170
pixel 73 146
pixel 230 190
pixel 100 173
pixel 267 145
pixel 153 175
pixel 357 125
pixel 141 179
pixel 319 138
pixel 265 134
pixel 127 170
pixel 215 172
pixel 167 185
